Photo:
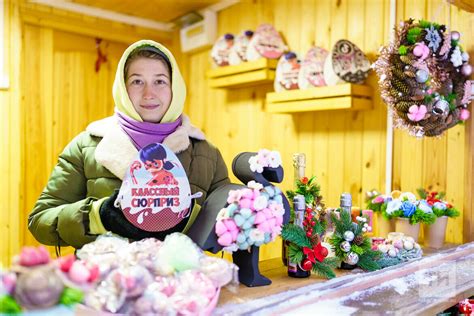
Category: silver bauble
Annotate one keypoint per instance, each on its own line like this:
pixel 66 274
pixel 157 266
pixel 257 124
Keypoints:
pixel 349 236
pixel 352 258
pixel 345 246
pixel 441 107
pixel 421 76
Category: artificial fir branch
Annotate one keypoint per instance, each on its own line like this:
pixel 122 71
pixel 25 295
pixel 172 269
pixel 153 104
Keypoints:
pixel 368 261
pixel 325 268
pixel 295 253
pixel 296 235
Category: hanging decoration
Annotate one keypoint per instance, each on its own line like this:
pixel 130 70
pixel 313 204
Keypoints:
pixel 101 57
pixel 423 78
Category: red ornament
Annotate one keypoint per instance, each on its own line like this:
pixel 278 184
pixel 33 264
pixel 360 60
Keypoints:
pixel 324 252
pixel 466 307
pixel 304 180
pixel 309 234
pixel 306 265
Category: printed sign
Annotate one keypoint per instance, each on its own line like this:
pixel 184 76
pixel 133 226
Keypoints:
pixel 155 194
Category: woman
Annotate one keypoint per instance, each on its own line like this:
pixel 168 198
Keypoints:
pixel 77 203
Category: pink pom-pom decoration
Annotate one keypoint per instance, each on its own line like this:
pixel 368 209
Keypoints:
pixel 32 256
pixel 464 115
pixel 417 113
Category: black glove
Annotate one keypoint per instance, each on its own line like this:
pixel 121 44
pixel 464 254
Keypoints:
pixel 115 221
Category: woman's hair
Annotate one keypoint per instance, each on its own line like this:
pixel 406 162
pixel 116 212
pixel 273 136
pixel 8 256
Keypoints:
pixel 146 52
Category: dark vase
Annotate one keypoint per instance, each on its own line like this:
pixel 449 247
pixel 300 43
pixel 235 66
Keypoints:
pixel 346 266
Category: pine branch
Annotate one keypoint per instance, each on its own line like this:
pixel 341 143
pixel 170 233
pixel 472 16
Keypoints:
pixel 323 270
pixel 295 254
pixel 368 261
pixel 295 235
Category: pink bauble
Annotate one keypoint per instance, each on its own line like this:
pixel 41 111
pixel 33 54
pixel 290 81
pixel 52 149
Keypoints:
pixel 464 115
pixel 455 35
pixel 418 50
pixel 466 70
pixel 79 272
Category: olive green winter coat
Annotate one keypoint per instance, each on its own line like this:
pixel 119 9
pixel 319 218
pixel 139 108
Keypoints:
pixel 92 166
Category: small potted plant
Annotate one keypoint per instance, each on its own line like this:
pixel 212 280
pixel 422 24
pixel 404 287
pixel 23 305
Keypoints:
pixel 436 232
pixel 376 202
pixel 408 213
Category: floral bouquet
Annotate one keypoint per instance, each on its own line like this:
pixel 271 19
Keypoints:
pixel 350 244
pixel 438 205
pixel 403 205
pixel 253 217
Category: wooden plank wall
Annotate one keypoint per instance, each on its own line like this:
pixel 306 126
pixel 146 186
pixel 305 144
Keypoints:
pixel 10 139
pixel 55 93
pixel 437 163
pixel 345 150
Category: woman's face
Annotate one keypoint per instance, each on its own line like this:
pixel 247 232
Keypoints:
pixel 149 88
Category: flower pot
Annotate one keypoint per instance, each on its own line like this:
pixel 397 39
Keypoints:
pixel 346 266
pixel 436 232
pixel 383 225
pixel 402 225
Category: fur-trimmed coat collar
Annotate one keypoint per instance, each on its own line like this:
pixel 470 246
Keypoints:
pixel 116 152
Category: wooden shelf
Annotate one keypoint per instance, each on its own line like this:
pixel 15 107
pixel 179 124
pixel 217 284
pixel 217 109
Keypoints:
pixel 340 97
pixel 246 74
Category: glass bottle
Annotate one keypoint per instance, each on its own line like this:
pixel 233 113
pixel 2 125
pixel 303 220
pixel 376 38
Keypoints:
pixel 299 206
pixel 299 165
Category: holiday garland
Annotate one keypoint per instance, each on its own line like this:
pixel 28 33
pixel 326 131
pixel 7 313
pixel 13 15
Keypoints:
pixel 350 244
pixel 423 78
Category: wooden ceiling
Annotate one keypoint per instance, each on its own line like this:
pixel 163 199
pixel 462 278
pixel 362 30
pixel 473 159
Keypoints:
pixel 158 10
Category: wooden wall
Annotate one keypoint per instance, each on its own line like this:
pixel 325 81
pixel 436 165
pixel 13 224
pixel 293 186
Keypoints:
pixel 55 92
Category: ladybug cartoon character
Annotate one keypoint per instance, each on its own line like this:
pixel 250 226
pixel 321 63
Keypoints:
pixel 153 157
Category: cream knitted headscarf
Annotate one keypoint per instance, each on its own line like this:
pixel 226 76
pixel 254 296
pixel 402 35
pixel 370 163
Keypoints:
pixel 119 91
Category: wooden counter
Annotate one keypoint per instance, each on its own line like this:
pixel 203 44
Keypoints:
pixel 425 286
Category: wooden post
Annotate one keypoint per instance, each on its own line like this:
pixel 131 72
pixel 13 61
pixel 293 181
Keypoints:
pixel 468 213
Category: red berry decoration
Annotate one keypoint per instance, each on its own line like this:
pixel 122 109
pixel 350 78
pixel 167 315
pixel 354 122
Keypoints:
pixel 309 234
pixel 306 265
pixel 324 252
pixel 304 180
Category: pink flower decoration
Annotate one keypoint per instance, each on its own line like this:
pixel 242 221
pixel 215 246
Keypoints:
pixel 31 256
pixel 417 113
pixel 245 203
pixel 464 115
pixel 234 196
pixel 227 232
pixel 378 199
pixel 421 50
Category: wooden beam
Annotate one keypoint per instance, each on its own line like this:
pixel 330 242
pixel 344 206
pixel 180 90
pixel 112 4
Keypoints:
pixel 36 14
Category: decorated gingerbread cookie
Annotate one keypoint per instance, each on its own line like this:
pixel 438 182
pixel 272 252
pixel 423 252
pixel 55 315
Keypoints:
pixel 221 49
pixel 155 193
pixel 238 52
pixel 266 42
pixel 287 71
pixel 312 68
pixel 346 63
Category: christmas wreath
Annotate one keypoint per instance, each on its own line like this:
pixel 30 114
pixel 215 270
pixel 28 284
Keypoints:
pixel 305 247
pixel 423 78
pixel 350 244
